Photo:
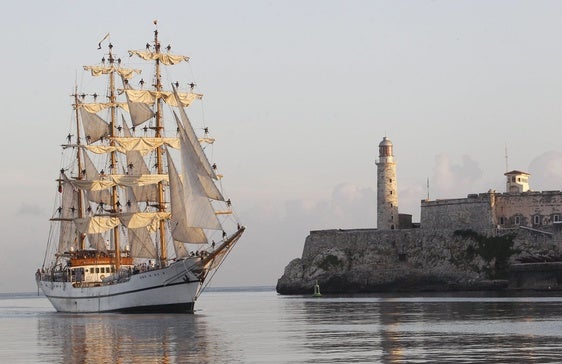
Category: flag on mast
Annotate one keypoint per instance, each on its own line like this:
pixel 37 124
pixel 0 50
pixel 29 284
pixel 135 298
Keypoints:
pixel 104 38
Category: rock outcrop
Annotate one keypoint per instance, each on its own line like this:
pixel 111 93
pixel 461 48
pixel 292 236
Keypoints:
pixel 370 260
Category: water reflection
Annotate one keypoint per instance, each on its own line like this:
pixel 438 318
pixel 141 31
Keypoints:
pixel 118 338
pixel 401 329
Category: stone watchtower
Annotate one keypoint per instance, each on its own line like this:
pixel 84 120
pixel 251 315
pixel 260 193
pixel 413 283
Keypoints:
pixel 387 193
pixel 517 182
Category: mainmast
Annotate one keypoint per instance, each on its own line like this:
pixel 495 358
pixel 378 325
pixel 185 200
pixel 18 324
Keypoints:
pixel 158 134
pixel 113 164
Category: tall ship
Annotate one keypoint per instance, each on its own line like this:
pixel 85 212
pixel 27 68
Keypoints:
pixel 141 221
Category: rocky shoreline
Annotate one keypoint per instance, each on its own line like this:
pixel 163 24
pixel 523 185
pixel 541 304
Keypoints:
pixel 415 260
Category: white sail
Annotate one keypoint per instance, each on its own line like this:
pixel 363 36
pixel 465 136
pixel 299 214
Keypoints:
pixel 141 243
pixel 136 166
pixel 180 249
pixel 67 211
pixel 96 224
pixel 194 160
pixel 140 239
pixel 187 132
pixel 186 227
pixel 97 241
pixel 147 220
pixel 139 111
pixel 100 196
pixel 95 128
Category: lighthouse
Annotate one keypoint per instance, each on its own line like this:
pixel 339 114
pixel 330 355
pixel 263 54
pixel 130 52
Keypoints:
pixel 387 194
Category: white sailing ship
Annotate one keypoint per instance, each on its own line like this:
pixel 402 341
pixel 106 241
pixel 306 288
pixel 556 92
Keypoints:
pixel 141 222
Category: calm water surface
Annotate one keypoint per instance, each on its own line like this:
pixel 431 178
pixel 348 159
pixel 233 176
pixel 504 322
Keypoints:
pixel 258 326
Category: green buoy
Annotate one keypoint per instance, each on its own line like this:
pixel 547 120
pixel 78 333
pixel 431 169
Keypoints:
pixel 317 290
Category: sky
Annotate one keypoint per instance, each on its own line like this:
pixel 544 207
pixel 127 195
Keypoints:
pixel 298 94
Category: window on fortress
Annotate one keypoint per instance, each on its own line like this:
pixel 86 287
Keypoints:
pixel 390 180
pixel 502 220
pixel 536 219
pixel 517 220
pixel 556 218
pixel 391 192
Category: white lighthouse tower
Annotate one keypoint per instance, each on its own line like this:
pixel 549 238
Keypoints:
pixel 387 193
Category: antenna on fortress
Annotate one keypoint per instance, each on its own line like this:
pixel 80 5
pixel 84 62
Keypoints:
pixel 427 189
pixel 506 164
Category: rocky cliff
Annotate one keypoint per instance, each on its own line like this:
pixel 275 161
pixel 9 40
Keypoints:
pixel 369 260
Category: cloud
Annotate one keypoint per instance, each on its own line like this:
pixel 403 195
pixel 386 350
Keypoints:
pixel 454 180
pixel 546 171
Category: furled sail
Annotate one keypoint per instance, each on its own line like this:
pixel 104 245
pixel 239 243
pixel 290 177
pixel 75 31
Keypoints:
pixel 100 224
pixel 119 180
pixel 149 97
pixel 144 145
pixel 96 107
pixel 164 58
pixel 126 73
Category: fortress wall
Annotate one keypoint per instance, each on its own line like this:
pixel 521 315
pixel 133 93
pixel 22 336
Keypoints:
pixel 381 247
pixel 546 205
pixel 474 212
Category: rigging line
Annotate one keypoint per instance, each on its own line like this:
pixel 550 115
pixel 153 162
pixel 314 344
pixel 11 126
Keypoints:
pixel 213 271
pixel 49 241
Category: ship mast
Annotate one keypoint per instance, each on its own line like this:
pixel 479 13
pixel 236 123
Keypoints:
pixel 158 134
pixel 113 164
pixel 82 236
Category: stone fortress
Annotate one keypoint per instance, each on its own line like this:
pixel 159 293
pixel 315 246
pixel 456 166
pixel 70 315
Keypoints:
pixel 509 240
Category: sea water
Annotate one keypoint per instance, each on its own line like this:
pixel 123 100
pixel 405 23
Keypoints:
pixel 259 326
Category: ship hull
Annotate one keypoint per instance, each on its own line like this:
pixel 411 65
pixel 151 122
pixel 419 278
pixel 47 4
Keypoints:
pixel 171 289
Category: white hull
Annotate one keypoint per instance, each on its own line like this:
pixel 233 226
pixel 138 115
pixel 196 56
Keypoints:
pixel 171 289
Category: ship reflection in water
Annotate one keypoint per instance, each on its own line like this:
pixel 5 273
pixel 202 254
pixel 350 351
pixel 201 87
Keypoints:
pixel 114 338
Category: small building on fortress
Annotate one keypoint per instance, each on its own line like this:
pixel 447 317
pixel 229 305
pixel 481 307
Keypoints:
pixel 485 241
pixel 517 207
